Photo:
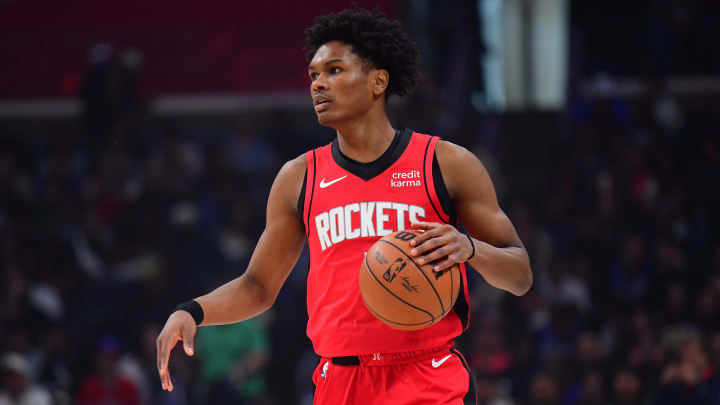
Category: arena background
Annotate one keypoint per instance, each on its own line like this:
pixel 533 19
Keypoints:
pixel 138 142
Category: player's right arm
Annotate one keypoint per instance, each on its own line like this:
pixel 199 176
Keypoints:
pixel 255 291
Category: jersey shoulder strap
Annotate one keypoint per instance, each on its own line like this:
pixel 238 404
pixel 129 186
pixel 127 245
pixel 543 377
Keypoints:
pixel 308 185
pixel 430 186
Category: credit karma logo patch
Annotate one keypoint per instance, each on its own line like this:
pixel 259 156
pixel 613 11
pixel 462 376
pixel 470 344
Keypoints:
pixel 405 178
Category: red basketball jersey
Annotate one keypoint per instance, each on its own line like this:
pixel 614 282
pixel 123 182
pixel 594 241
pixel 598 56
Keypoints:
pixel 348 206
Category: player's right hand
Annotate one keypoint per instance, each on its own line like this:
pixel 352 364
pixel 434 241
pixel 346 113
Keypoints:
pixel 179 326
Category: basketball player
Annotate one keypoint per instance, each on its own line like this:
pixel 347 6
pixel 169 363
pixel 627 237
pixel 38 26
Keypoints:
pixel 341 198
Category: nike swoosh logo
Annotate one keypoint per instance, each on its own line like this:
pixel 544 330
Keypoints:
pixel 330 183
pixel 437 364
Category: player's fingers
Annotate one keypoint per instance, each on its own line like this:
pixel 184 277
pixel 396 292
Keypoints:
pixel 162 382
pixel 453 258
pixel 167 383
pixel 431 246
pixel 428 234
pixel 164 345
pixel 425 225
pixel 434 255
pixel 426 246
pixel 449 249
pixel 444 265
pixel 160 343
pixel 165 380
pixel 161 367
pixel 188 338
pixel 161 373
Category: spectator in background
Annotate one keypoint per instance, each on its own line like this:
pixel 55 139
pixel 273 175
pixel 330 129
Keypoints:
pixel 627 388
pixel 689 380
pixel 592 389
pixel 491 355
pixel 54 365
pixel 629 273
pixel 233 358
pixel 106 386
pixel 562 287
pixel 588 354
pixel 491 391
pixel 544 390
pixel 16 387
pixel 109 91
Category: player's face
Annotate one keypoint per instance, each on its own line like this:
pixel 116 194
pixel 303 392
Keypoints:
pixel 341 84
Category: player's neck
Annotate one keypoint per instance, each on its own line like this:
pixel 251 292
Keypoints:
pixel 365 141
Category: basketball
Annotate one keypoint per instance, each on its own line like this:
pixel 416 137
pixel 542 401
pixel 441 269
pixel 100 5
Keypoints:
pixel 402 293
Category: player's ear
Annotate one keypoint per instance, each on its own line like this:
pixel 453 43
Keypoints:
pixel 381 80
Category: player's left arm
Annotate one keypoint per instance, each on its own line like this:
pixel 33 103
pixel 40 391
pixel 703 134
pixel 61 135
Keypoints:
pixel 500 256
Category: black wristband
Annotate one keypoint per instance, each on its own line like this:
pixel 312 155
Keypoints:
pixel 473 247
pixel 194 309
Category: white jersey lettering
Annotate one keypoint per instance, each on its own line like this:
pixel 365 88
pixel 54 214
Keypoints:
pixel 336 225
pixel 381 218
pixel 366 222
pixel 416 213
pixel 351 233
pixel 322 224
pixel 401 209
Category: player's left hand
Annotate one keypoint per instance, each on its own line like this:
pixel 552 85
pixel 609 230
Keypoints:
pixel 440 241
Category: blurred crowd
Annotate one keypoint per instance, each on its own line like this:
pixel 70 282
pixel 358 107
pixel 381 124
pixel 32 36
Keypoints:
pixel 108 222
pixel 622 238
pixel 103 233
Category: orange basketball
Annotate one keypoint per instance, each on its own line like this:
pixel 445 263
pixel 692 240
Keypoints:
pixel 400 292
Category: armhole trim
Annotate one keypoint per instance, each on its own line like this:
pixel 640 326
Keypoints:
pixel 311 161
pixel 462 304
pixel 441 190
pixel 429 181
pixel 301 200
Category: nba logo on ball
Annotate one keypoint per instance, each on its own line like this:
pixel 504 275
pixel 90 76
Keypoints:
pixel 401 292
pixel 395 268
pixel 325 367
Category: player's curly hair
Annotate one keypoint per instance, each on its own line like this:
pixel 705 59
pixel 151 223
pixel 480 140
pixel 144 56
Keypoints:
pixel 377 40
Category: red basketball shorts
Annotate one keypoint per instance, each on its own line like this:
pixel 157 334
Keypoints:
pixel 438 376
